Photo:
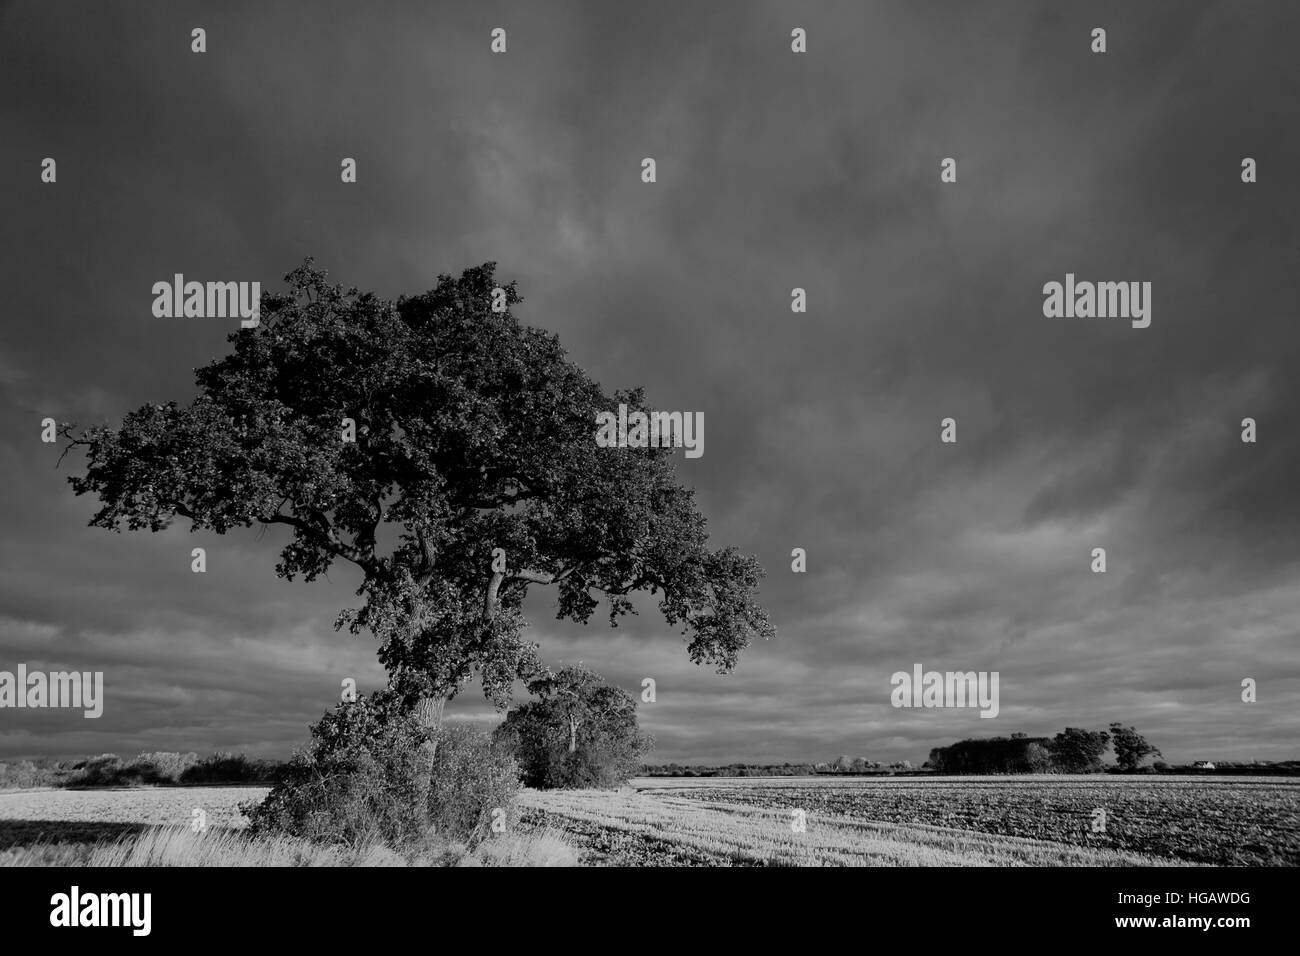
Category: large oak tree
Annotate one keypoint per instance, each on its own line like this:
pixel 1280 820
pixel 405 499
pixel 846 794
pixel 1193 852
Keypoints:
pixel 473 432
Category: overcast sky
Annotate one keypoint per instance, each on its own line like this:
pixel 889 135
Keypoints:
pixel 775 170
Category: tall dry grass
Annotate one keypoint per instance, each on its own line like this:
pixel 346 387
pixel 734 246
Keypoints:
pixel 179 846
pixel 538 848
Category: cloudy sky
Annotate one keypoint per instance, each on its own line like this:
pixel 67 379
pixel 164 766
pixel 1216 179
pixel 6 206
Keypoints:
pixel 775 170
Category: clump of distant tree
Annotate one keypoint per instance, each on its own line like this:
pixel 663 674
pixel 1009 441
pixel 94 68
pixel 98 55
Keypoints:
pixel 1015 754
pixel 860 765
pixel 1073 750
pixel 581 731
pixel 1131 748
pixel 730 770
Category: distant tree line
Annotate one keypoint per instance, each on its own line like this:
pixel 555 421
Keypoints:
pixel 840 765
pixel 150 769
pixel 728 770
pixel 1262 767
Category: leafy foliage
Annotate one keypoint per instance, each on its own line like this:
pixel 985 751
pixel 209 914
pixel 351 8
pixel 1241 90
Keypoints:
pixel 1131 748
pixel 1015 754
pixel 581 732
pixel 362 781
pixel 27 773
pixel 472 780
pixel 153 769
pixel 473 432
pixel 1079 751
pixel 355 783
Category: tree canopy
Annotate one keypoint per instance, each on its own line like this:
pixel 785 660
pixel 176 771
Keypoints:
pixel 581 731
pixel 473 432
pixel 1075 750
pixel 1131 748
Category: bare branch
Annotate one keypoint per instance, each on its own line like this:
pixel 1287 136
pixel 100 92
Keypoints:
pixel 73 441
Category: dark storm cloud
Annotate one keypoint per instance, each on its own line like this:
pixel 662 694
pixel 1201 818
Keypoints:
pixel 775 171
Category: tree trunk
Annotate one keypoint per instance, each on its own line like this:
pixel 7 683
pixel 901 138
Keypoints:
pixel 573 734
pixel 428 712
pixel 490 595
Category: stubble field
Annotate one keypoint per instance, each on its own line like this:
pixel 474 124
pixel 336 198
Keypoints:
pixel 943 821
pixel 891 821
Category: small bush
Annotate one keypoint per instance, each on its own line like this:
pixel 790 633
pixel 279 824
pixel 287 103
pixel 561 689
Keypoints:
pixel 24 773
pixel 228 768
pixel 102 771
pixel 472 779
pixel 356 783
pixel 364 779
pixel 160 767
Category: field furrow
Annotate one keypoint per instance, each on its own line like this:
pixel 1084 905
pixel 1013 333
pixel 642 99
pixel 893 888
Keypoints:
pixel 650 828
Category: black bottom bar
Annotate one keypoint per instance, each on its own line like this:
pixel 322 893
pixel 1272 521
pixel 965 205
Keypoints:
pixel 333 906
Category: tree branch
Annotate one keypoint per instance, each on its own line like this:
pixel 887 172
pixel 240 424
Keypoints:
pixel 543 577
pixel 73 442
pixel 533 577
pixel 366 536
pixel 490 596
pixel 425 571
pixel 322 533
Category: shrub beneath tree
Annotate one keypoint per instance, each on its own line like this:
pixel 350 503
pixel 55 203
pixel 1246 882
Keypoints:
pixel 473 778
pixel 364 779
